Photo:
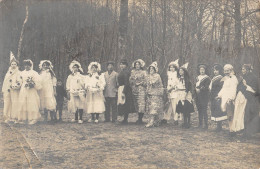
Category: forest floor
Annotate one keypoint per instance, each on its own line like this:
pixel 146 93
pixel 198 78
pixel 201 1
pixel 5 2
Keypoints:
pixel 107 145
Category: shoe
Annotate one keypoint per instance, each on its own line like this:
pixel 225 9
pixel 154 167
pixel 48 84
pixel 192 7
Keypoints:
pixel 73 120
pixel 60 119
pixel 139 122
pixel 96 121
pixel 175 123
pixel 90 121
pixel 80 121
pixel 163 121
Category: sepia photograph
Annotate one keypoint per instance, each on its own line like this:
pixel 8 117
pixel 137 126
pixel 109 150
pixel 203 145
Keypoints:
pixel 130 84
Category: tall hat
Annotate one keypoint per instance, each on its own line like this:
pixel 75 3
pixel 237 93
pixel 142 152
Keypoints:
pixel 28 61
pixel 73 63
pixel 92 64
pixel 142 63
pixel 43 61
pixel 185 66
pixel 12 58
pixel 155 66
pixel 175 63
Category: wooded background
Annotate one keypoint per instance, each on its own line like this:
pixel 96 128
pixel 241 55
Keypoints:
pixel 197 31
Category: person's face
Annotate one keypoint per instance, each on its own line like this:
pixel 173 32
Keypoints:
pixel 227 72
pixel 202 71
pixel 94 69
pixel 151 70
pixel 244 71
pixel 137 65
pixel 14 65
pixel 27 67
pixel 122 66
pixel 181 71
pixel 110 67
pixel 216 72
pixel 75 69
pixel 45 66
pixel 172 68
pixel 59 83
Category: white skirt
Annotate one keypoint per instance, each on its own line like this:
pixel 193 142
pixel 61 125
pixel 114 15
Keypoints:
pixel 11 101
pixel 95 102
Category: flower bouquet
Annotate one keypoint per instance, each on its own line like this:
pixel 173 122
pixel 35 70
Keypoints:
pixel 29 83
pixel 16 86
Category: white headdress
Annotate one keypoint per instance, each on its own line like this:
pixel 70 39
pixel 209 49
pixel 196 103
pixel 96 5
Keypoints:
pixel 12 58
pixel 92 64
pixel 29 60
pixel 185 66
pixel 155 65
pixel 43 61
pixel 175 63
pixel 142 63
pixel 228 67
pixel 73 63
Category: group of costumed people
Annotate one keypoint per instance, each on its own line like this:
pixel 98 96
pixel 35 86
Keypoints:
pixel 28 95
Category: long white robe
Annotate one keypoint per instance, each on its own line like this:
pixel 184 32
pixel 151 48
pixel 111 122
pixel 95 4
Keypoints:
pixel 29 104
pixel 46 93
pixel 11 88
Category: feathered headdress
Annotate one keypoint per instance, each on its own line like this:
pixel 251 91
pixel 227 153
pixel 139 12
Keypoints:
pixel 73 63
pixel 92 64
pixel 142 63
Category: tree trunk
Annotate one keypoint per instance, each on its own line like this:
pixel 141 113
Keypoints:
pixel 123 24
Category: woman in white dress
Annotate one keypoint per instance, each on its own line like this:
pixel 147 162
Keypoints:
pixel 11 88
pixel 48 91
pixel 76 91
pixel 95 84
pixel 29 101
pixel 172 91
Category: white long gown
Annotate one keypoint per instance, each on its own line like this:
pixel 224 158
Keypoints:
pixel 46 93
pixel 95 85
pixel 29 98
pixel 11 88
pixel 75 87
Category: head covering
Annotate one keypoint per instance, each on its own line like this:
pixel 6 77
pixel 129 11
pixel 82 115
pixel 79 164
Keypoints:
pixel 28 61
pixel 12 58
pixel 174 63
pixel 92 64
pixel 124 61
pixel 185 66
pixel 111 62
pixel 73 63
pixel 154 65
pixel 248 67
pixel 229 67
pixel 43 61
pixel 202 65
pixel 142 63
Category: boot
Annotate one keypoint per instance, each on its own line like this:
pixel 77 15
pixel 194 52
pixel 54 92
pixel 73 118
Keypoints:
pixel 140 118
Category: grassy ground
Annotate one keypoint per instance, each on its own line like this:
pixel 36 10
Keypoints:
pixel 107 145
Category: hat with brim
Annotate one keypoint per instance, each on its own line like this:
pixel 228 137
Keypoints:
pixel 142 63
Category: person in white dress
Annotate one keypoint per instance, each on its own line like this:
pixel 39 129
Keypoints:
pixel 228 92
pixel 48 90
pixel 76 91
pixel 173 81
pixel 95 84
pixel 11 88
pixel 29 100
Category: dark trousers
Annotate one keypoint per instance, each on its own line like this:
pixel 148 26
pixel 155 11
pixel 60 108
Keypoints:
pixel 59 108
pixel 111 103
pixel 186 119
pixel 79 114
pixel 203 115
